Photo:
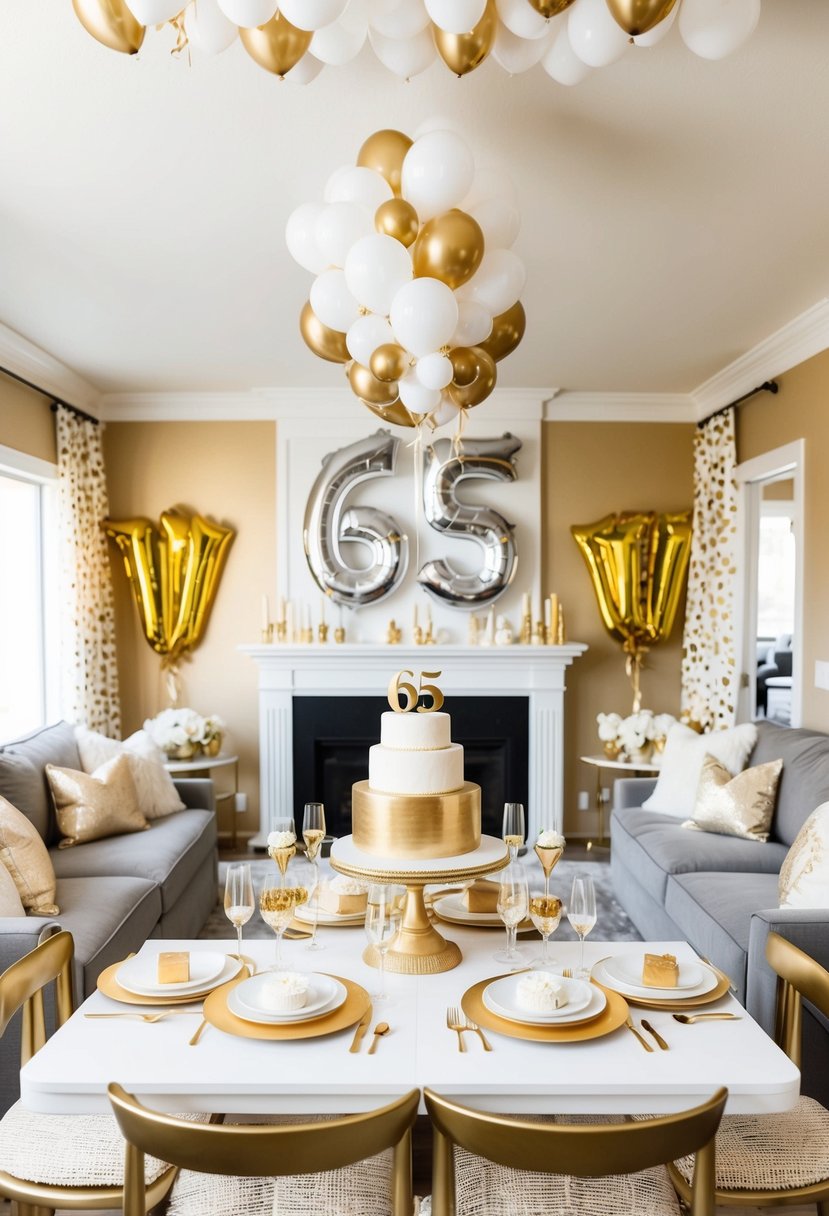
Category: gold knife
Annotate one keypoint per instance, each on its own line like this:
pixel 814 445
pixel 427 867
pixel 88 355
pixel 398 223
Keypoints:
pixel 647 1026
pixel 361 1030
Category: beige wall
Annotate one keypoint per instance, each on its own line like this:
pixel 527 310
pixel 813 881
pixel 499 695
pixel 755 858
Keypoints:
pixel 27 424
pixel 226 471
pixel 590 470
pixel 799 411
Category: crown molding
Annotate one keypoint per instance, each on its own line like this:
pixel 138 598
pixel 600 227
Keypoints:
pixel 800 339
pixel 619 407
pixel 52 377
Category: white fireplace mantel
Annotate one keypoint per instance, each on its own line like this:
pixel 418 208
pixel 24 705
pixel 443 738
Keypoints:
pixel 536 672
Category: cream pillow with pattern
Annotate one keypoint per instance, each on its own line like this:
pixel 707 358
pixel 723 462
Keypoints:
pixel 804 875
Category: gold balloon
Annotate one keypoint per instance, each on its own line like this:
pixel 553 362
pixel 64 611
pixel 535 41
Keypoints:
pixel 450 247
pixel 174 572
pixel 464 365
pixel 551 8
pixel 389 362
pixel 507 332
pixel 639 16
pixel 327 343
pixel 462 53
pixel 396 413
pixel 369 388
pixel 384 151
pixel 398 219
pixel 111 23
pixel 277 46
pixel 486 373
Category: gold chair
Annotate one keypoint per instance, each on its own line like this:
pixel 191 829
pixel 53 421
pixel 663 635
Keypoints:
pixel 783 1158
pixel 58 1161
pixel 269 1153
pixel 542 1166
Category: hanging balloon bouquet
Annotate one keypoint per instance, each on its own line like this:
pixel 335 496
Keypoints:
pixel 417 289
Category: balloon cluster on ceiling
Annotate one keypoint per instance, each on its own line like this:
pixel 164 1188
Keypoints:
pixel 297 39
pixel 416 288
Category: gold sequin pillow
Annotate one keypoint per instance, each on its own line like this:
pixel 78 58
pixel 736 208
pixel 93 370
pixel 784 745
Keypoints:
pixel 91 806
pixel 736 806
pixel 804 875
pixel 27 859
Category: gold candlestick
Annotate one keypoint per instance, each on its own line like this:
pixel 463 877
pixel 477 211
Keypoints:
pixel 339 634
pixel 322 632
pixel 561 635
pixel 526 629
pixel 267 635
pixel 307 636
pixel 417 633
pixel 393 633
pixel 538 635
pixel 281 631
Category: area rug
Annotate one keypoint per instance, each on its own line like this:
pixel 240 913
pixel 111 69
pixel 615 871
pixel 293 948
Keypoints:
pixel 612 924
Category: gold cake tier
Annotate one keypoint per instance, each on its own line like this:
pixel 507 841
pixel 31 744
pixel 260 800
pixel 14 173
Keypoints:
pixel 416 826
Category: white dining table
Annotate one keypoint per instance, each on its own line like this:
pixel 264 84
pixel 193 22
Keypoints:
pixel 612 1074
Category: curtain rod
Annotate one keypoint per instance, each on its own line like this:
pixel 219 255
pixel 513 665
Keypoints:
pixel 768 386
pixel 56 401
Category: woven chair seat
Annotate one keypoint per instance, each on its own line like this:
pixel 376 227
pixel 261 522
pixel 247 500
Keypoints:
pixel 771 1152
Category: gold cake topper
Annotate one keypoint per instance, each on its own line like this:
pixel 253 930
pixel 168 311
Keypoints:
pixel 402 688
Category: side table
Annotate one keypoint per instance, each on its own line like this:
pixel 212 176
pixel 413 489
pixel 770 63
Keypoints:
pixel 620 767
pixel 205 764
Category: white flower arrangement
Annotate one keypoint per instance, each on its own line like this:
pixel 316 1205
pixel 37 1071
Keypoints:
pixel 550 839
pixel 636 730
pixel 662 723
pixel 174 729
pixel 634 733
pixel 609 727
pixel 281 840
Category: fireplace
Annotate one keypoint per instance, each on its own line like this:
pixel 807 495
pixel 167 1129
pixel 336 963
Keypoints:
pixel 331 738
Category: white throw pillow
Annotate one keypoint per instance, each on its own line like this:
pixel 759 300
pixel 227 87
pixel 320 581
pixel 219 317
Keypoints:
pixel 10 902
pixel 682 761
pixel 804 875
pixel 157 795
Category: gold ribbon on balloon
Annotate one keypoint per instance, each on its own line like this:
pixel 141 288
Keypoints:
pixel 637 562
pixel 174 572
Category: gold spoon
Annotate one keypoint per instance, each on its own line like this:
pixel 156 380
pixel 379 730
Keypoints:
pixel 379 1030
pixel 689 1019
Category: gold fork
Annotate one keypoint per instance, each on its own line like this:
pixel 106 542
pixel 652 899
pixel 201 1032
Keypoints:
pixel 455 1022
pixel 475 1028
pixel 149 1017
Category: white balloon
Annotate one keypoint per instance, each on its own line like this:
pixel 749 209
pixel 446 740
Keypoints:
pixel 434 371
pixel 365 335
pixel 437 173
pixel 522 19
pixel 338 227
pixel 153 12
pixel 248 13
pixel 456 16
pixel 516 54
pixel 415 396
pixel 490 182
pixel 497 283
pixel 376 268
pixel 594 35
pixel 311 14
pixel 208 29
pixel 332 302
pixel 343 39
pixel 500 222
pixel 301 239
pixel 305 71
pixel 562 63
pixel 403 19
pixel 356 184
pixel 659 31
pixel 423 315
pixel 474 324
pixel 447 411
pixel 406 57
pixel 713 29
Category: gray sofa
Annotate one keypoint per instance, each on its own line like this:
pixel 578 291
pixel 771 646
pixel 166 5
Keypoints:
pixel 115 893
pixel 720 893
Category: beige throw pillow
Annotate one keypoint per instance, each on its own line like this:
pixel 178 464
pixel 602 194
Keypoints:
pixel 157 795
pixel 27 859
pixel 10 902
pixel 804 875
pixel 736 806
pixel 89 807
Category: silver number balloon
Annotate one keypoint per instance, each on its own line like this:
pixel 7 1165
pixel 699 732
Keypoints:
pixel 444 468
pixel 328 525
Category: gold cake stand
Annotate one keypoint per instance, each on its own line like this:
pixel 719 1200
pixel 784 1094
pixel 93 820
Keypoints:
pixel 418 948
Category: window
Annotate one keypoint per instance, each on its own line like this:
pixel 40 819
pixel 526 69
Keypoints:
pixel 28 600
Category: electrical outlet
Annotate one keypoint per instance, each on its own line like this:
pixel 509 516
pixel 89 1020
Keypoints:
pixel 584 801
pixel 605 794
pixel 240 803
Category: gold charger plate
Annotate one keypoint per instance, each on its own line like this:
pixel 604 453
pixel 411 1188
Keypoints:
pixel 689 1002
pixel 356 1003
pixel 108 984
pixel 611 1018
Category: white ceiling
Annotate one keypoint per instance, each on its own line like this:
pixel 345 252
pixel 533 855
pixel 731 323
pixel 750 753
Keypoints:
pixel 674 210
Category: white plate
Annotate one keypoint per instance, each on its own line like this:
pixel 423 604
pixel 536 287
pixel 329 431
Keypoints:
pixel 453 905
pixel 139 974
pixel 709 981
pixel 306 915
pixel 500 998
pixel 324 994
pixel 280 1019
pixel 628 969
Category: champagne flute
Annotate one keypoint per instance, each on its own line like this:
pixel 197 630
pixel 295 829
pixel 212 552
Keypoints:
pixel 282 843
pixel 545 914
pixel 239 902
pixel 277 905
pixel 384 912
pixel 513 903
pixel 581 913
pixel 313 833
pixel 548 849
pixel 513 829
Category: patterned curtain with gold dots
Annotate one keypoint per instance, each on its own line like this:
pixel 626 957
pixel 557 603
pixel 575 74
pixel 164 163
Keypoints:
pixel 709 659
pixel 89 674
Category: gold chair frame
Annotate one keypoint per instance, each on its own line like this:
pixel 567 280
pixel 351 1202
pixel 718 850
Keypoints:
pixel 592 1150
pixel 251 1150
pixel 798 976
